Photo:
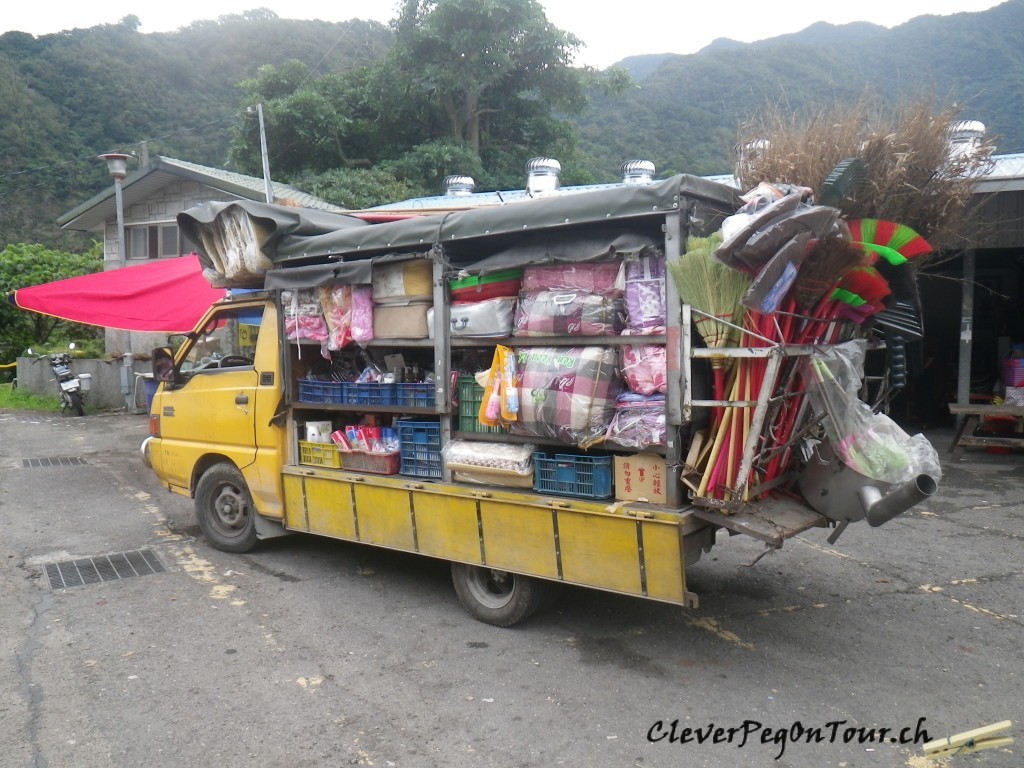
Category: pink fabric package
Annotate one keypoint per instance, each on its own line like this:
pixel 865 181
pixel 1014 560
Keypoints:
pixel 602 278
pixel 362 314
pixel 569 313
pixel 566 393
pixel 336 301
pixel 644 368
pixel 645 291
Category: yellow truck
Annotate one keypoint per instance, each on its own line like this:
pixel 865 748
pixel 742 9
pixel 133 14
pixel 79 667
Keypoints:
pixel 238 420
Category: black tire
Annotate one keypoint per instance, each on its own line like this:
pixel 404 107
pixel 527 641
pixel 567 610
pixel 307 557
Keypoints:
pixel 75 399
pixel 225 510
pixel 497 597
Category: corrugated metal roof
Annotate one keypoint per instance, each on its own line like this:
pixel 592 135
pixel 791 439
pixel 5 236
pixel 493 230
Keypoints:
pixel 91 215
pixel 1005 175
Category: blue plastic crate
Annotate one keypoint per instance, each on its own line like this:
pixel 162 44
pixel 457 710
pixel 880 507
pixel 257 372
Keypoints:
pixel 420 448
pixel 311 391
pixel 416 395
pixel 370 393
pixel 566 474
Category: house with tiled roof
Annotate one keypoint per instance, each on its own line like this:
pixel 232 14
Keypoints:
pixel 160 189
pixel 152 196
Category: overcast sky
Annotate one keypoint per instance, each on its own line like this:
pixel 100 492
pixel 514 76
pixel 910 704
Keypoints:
pixel 609 30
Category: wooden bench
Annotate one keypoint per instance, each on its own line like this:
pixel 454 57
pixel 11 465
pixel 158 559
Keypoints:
pixel 972 418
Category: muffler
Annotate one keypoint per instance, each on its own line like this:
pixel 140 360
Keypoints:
pixel 843 495
pixel 880 509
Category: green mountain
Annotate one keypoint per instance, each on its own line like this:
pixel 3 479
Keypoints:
pixel 69 96
pixel 684 113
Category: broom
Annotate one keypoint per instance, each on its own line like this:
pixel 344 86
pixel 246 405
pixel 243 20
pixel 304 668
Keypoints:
pixel 714 289
pixel 896 243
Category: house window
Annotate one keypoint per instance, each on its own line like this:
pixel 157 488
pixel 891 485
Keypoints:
pixel 152 241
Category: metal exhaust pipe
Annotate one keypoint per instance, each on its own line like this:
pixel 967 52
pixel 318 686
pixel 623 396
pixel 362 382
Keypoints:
pixel 881 509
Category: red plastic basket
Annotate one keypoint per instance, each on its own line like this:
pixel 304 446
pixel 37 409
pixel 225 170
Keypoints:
pixel 373 463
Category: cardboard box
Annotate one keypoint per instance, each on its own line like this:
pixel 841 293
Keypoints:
pixel 641 477
pixel 403 282
pixel 401 321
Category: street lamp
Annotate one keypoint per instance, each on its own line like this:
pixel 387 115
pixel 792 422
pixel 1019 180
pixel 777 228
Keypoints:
pixel 117 165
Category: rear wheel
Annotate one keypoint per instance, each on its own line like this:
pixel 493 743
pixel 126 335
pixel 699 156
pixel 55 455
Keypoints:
pixel 75 401
pixel 497 597
pixel 225 510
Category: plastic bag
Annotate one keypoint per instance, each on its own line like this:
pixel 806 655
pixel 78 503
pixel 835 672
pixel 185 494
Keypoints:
pixel 303 316
pixel 566 393
pixel 336 301
pixel 362 314
pixel 869 443
pixel 638 422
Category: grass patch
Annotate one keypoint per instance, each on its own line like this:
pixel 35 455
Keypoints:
pixel 20 400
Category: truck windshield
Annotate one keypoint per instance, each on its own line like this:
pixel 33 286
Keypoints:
pixel 228 340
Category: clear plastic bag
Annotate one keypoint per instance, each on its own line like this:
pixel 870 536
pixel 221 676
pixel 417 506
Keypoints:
pixel 869 443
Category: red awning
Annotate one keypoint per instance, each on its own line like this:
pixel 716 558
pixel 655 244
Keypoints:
pixel 167 295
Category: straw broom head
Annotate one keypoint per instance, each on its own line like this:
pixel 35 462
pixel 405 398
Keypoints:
pixel 827 261
pixel 711 287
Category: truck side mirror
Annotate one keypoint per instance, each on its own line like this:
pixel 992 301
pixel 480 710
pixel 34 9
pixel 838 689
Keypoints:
pixel 163 364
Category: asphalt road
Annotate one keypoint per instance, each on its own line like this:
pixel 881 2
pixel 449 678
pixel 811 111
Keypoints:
pixel 310 652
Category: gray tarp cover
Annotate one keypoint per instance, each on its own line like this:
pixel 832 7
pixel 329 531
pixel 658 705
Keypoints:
pixel 299 236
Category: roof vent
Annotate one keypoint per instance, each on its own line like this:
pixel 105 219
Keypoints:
pixel 459 186
pixel 637 172
pixel 542 176
pixel 750 152
pixel 964 137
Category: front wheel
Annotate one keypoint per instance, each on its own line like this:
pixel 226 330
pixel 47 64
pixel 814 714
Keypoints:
pixel 497 597
pixel 75 402
pixel 225 510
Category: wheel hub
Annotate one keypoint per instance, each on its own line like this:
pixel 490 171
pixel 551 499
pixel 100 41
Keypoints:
pixel 231 508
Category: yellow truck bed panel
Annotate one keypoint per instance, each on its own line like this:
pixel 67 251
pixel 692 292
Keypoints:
pixel 613 547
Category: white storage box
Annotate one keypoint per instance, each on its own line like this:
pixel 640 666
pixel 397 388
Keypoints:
pixel 490 318
pixel 86 380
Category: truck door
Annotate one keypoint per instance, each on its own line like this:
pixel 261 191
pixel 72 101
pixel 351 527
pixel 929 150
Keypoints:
pixel 211 407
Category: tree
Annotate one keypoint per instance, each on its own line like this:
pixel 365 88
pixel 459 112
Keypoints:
pixel 474 59
pixel 23 265
pixel 469 85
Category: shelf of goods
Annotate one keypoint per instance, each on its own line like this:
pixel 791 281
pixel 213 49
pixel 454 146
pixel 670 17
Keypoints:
pixel 590 325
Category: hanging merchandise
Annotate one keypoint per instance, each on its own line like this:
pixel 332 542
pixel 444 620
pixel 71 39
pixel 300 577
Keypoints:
pixel 303 316
pixel 499 405
pixel 336 301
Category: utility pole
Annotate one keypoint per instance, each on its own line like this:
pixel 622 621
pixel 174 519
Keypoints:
pixel 268 189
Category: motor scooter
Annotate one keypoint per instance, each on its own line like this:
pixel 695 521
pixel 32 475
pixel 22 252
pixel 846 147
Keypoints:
pixel 73 387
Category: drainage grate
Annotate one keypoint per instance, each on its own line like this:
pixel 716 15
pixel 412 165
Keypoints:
pixel 65 461
pixel 93 570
